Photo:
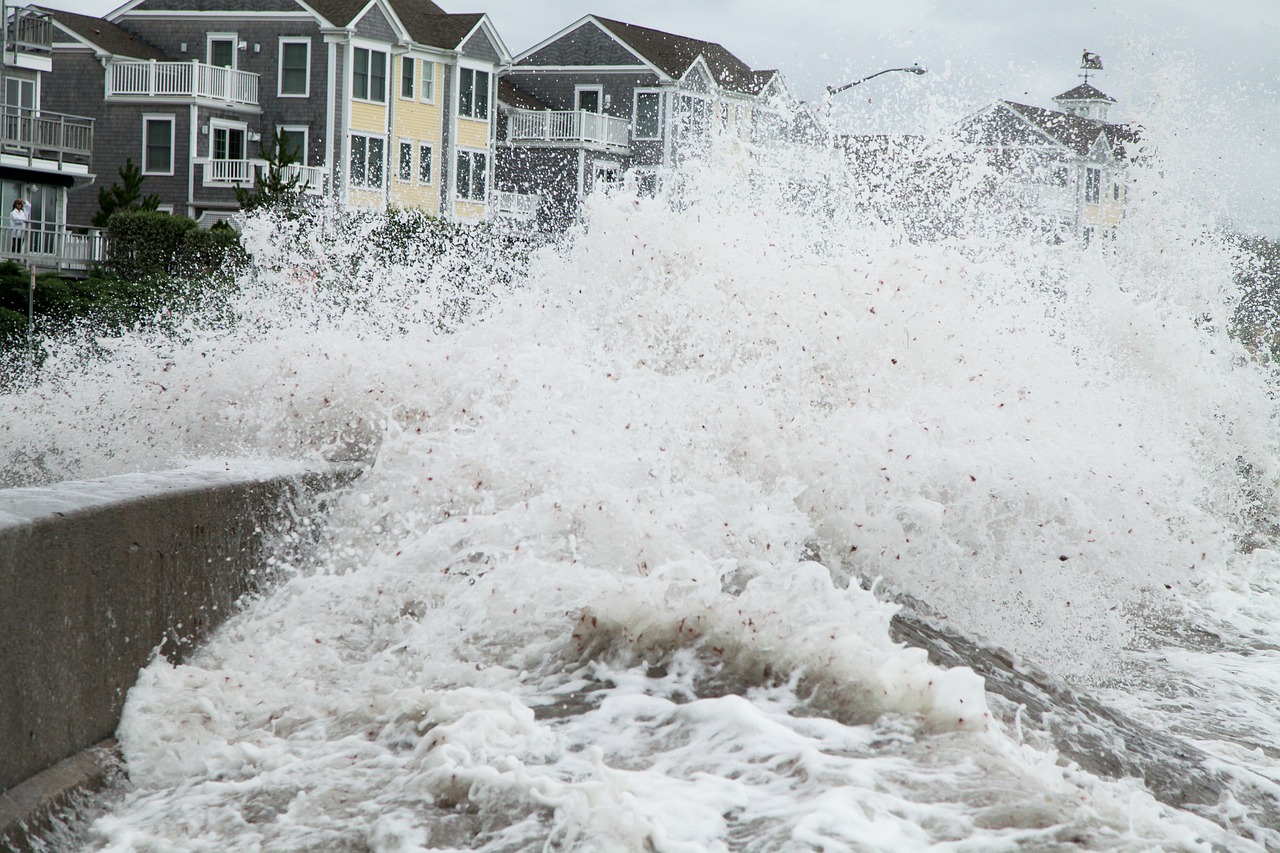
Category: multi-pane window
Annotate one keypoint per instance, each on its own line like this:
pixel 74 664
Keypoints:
pixel 367 154
pixel 404 169
pixel 1092 185
pixel 648 115
pixel 472 175
pixel 406 77
pixel 473 93
pixel 228 143
pixel 428 90
pixel 424 163
pixel 369 75
pixel 157 145
pixel 295 67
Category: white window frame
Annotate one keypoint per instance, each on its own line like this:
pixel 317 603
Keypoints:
pixel 635 113
pixel 489 105
pixel 298 130
pixel 470 153
pixel 423 83
pixel 595 87
pixel 400 161
pixel 217 124
pixel 371 49
pixel 306 88
pixel 173 124
pixel 234 38
pixel 364 183
pixel 431 159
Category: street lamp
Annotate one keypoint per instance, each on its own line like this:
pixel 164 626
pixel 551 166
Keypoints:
pixel 835 90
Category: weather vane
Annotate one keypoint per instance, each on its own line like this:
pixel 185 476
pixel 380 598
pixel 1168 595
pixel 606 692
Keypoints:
pixel 1090 62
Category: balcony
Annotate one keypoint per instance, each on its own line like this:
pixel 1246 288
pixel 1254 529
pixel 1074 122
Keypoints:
pixel 568 127
pixel 51 140
pixel 182 80
pixel 68 249
pixel 240 173
pixel 28 31
pixel 514 206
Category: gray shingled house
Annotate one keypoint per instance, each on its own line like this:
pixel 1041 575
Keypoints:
pixel 603 99
pixel 382 101
pixel 1067 164
pixel 45 154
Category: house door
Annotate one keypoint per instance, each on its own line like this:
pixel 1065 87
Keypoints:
pixel 589 100
pixel 19 107
pixel 227 154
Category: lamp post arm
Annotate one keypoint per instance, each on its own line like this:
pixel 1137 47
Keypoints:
pixel 835 90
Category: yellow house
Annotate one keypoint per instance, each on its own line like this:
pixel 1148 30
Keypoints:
pixel 414 108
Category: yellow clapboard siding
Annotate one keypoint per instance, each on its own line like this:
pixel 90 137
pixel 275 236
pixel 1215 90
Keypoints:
pixel 422 197
pixel 469 210
pixel 473 134
pixel 368 117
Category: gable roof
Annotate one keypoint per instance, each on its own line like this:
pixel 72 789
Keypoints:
pixel 1084 92
pixel 343 13
pixel 1074 132
pixel 674 55
pixel 435 29
pixel 103 35
pixel 513 96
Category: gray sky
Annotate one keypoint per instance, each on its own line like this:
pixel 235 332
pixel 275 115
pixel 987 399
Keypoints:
pixel 1209 69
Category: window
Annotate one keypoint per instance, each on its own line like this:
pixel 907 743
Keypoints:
pixel 295 142
pixel 588 99
pixel 1115 191
pixel 473 93
pixel 424 163
pixel 428 81
pixel 367 155
pixel 222 49
pixel 406 77
pixel 1092 185
pixel 295 68
pixel 369 76
pixel 157 145
pixel 404 171
pixel 228 142
pixel 472 175
pixel 648 115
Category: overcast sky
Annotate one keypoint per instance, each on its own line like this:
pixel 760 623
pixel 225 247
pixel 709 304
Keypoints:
pixel 1209 69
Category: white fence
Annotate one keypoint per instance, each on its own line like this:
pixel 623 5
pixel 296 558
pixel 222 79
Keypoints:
pixel 182 80
pixel 51 136
pixel 56 248
pixel 568 126
pixel 517 206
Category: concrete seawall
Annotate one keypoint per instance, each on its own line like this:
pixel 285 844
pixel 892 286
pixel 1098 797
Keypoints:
pixel 96 575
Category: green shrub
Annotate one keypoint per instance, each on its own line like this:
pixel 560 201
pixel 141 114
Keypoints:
pixel 146 243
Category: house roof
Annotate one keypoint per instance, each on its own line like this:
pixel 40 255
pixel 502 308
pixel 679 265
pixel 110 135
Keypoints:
pixel 435 30
pixel 1074 132
pixel 1084 92
pixel 673 55
pixel 514 96
pixel 105 35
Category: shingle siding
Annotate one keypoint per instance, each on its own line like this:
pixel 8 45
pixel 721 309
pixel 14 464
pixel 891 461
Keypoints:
pixel 557 89
pixel 215 6
pixel 374 25
pixel 586 45
pixel 479 46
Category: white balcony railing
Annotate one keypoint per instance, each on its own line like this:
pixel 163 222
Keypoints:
pixel 226 173
pixel 518 206
pixel 44 135
pixel 567 127
pixel 310 178
pixel 127 78
pixel 49 246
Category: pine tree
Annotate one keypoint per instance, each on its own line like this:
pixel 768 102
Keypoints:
pixel 270 186
pixel 126 195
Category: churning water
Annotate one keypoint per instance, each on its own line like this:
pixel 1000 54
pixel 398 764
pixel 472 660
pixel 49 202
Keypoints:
pixel 641 508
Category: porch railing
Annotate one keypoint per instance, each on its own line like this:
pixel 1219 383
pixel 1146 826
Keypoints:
pixel 310 178
pixel 519 206
pixel 129 78
pixel 567 126
pixel 29 31
pixel 229 172
pixel 45 246
pixel 44 135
